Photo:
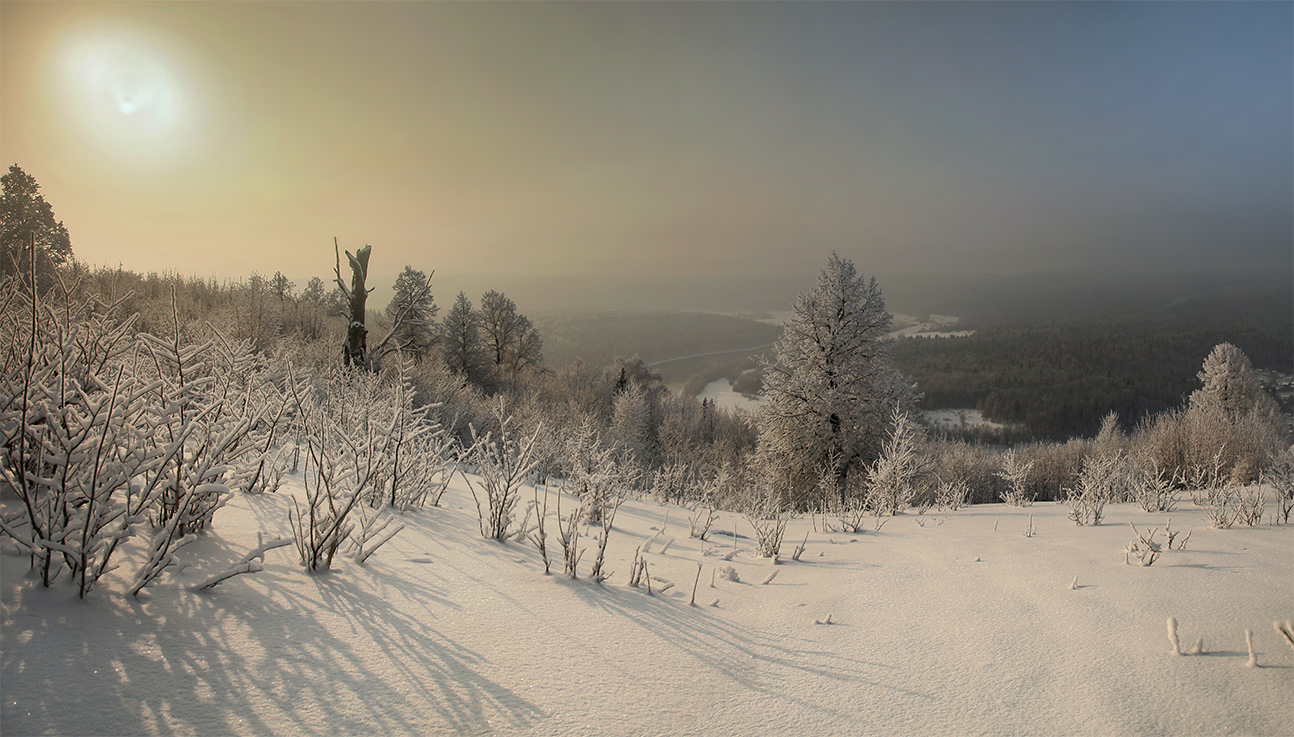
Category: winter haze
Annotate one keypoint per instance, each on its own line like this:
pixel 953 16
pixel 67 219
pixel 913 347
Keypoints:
pixel 659 139
pixel 751 368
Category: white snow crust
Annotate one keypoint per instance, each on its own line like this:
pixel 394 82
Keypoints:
pixel 943 627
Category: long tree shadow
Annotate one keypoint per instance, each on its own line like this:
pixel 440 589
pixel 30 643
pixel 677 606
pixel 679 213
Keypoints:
pixel 761 662
pixel 327 660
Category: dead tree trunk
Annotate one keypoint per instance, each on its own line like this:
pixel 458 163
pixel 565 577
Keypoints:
pixel 355 349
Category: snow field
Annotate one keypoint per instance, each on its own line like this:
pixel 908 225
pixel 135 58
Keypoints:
pixel 942 627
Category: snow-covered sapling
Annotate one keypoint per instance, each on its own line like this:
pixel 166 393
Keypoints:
pixel 767 516
pixel 539 537
pixel 503 461
pixel 1015 472
pixel 608 517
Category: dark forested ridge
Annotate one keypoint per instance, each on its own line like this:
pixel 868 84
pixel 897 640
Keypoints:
pixel 1058 377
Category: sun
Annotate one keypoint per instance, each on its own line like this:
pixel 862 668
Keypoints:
pixel 127 94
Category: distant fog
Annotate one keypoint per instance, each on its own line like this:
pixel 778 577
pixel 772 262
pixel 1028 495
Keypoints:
pixel 974 297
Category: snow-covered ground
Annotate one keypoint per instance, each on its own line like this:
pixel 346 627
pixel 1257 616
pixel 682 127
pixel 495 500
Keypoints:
pixel 935 327
pixel 947 623
pixel 954 418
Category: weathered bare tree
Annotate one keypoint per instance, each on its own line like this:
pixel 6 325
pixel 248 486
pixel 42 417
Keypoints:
pixel 355 349
pixel 413 307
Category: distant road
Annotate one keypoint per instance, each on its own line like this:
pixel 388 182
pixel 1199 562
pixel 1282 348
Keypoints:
pixel 711 353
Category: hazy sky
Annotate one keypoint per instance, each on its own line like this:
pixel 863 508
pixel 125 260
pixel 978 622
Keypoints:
pixel 658 138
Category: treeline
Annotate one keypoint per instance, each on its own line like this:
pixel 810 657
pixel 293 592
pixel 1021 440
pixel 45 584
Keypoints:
pixel 1058 379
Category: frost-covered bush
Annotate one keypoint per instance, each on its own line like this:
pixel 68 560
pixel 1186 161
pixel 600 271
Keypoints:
pixel 892 479
pixel 1151 488
pixel 767 515
pixel 1098 484
pixel 106 435
pixel 503 460
pixel 975 465
pixel 1015 473
pixel 347 436
pixel 952 494
pixel 672 482
pixel 597 474
pixel 1279 477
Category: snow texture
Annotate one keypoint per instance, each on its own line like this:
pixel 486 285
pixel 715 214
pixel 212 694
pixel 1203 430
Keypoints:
pixel 444 632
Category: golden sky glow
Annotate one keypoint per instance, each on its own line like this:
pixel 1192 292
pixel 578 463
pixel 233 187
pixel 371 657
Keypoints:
pixel 627 138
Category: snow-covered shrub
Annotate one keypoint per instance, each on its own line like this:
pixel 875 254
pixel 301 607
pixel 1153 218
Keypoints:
pixel 1015 473
pixel 74 431
pixel 1221 505
pixel 1143 547
pixel 1153 489
pixel 422 460
pixel 371 531
pixel 503 461
pixel 1279 477
pixel 703 509
pixel 951 495
pixel 597 474
pixel 568 534
pixel 1250 504
pixel 349 423
pixel 539 535
pixel 975 465
pixel 672 482
pixel 603 536
pixel 767 515
pixel 892 479
pixel 1098 484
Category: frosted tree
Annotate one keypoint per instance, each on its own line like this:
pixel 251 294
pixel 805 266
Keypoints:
pixel 630 424
pixel 831 386
pixel 1231 388
pixel 412 312
pixel 460 342
pixel 512 343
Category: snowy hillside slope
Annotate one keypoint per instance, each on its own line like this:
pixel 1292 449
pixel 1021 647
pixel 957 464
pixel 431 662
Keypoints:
pixel 939 624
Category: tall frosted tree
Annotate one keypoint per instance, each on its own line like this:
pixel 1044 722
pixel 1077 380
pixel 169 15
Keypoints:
pixel 412 312
pixel 460 342
pixel 25 217
pixel 831 387
pixel 512 341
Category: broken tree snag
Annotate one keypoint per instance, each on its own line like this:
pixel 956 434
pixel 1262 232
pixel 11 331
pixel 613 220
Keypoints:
pixel 355 349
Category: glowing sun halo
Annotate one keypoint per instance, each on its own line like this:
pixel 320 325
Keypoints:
pixel 127 96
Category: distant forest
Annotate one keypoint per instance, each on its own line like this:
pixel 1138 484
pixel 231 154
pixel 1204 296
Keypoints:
pixel 1058 378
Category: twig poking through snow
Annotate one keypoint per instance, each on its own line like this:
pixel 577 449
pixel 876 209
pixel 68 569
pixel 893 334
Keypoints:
pixel 694 583
pixel 824 621
pixel 799 549
pixel 770 578
pixel 1286 631
pixel 1172 636
pixel 1253 656
pixel 1073 585
pixel 248 564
